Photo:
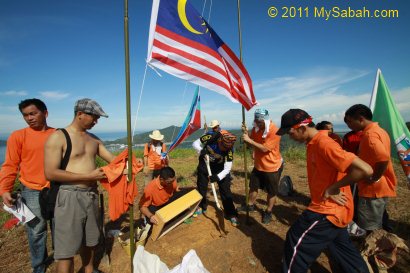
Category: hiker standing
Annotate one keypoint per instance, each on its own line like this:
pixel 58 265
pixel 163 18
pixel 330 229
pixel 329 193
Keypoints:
pixel 153 161
pixel 219 148
pixel 375 150
pixel 327 125
pixel 323 224
pixel 268 162
pixel 76 213
pixel 25 158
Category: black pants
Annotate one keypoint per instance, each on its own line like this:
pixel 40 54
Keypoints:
pixel 310 235
pixel 224 190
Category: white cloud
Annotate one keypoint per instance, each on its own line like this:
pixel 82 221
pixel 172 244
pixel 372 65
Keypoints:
pixel 14 93
pixel 54 95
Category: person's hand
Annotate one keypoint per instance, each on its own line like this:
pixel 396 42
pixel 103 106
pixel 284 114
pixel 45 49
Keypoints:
pixel 336 195
pixel 244 129
pixel 153 219
pixel 214 178
pixel 8 200
pixel 97 174
pixel 145 170
pixel 372 180
pixel 246 138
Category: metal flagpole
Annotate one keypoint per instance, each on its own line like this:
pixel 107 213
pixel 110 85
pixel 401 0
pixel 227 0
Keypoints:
pixel 129 137
pixel 245 164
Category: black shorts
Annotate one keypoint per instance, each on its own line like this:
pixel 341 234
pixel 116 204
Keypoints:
pixel 267 181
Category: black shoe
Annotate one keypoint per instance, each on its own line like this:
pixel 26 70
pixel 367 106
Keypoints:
pixel 266 217
pixel 245 208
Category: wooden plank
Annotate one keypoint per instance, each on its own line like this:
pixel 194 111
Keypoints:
pixel 175 213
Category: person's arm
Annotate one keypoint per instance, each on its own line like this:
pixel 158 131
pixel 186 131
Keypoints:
pixel 104 153
pixel 379 169
pixel 152 218
pixel 226 170
pixel 358 170
pixel 197 146
pixel 254 144
pixel 53 154
pixel 9 170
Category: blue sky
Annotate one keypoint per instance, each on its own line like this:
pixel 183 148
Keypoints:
pixel 60 51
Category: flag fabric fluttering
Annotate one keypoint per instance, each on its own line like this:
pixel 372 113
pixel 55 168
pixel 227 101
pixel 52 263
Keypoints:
pixel 385 112
pixel 191 124
pixel 183 44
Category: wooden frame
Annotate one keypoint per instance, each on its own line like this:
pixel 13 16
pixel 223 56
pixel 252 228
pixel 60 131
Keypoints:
pixel 175 213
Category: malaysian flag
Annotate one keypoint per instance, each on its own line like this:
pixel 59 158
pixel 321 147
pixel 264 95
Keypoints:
pixel 183 44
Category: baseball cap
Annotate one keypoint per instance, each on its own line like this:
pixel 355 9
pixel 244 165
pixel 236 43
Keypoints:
pixel 89 106
pixel 291 118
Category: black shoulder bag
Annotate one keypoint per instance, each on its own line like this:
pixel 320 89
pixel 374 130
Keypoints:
pixel 48 196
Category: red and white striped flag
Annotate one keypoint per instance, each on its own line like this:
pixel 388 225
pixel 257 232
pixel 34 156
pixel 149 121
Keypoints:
pixel 183 44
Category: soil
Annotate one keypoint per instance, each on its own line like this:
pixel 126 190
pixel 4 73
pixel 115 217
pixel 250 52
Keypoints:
pixel 250 247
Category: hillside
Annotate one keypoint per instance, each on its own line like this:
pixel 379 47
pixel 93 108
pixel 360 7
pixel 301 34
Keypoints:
pixel 3 143
pixel 169 133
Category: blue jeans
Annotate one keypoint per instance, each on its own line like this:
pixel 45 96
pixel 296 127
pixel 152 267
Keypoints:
pixel 36 231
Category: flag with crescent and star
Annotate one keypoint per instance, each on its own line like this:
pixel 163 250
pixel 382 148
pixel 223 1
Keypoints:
pixel 183 44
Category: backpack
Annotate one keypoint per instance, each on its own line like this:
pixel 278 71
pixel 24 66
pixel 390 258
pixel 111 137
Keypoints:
pixel 285 187
pixel 48 196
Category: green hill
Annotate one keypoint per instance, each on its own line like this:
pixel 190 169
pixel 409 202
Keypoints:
pixel 3 143
pixel 169 133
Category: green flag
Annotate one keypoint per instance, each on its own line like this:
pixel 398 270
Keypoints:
pixel 388 116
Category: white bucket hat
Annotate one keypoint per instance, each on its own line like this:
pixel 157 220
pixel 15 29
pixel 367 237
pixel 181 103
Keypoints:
pixel 156 135
pixel 214 123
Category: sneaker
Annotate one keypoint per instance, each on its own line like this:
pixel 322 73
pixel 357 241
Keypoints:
pixel 266 217
pixel 245 208
pixel 198 212
pixel 234 221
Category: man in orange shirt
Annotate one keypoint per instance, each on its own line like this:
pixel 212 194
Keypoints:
pixel 268 162
pixel 323 224
pixel 25 156
pixel 327 125
pixel 158 193
pixel 376 151
pixel 152 155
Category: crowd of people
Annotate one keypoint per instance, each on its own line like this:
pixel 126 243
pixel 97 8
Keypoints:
pixel 359 162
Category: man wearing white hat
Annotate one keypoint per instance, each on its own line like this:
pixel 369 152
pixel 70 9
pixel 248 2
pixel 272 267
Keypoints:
pixel 152 155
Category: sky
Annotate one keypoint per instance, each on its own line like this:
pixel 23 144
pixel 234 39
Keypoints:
pixel 61 51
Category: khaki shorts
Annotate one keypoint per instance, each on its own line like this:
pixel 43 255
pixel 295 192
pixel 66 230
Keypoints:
pixel 76 220
pixel 370 212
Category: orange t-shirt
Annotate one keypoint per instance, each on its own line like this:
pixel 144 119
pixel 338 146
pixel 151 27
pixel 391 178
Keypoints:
pixel 154 159
pixel 375 147
pixel 272 160
pixel 121 193
pixel 326 163
pixel 25 155
pixel 155 194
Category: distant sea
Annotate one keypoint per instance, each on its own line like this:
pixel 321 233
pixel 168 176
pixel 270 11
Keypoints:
pixel 2 154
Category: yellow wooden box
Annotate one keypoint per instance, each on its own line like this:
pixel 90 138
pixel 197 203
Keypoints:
pixel 175 213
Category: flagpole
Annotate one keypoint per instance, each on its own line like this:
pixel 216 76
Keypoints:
pixel 129 137
pixel 245 164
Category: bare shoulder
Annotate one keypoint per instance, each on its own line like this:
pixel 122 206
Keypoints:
pixel 95 138
pixel 56 138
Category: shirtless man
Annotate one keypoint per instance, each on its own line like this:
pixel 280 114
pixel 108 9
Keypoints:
pixel 76 211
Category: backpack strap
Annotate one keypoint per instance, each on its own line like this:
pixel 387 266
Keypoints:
pixel 67 154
